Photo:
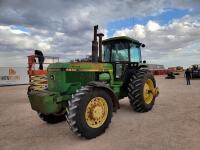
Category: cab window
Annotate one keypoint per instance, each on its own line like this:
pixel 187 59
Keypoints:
pixel 135 53
pixel 119 52
pixel 106 53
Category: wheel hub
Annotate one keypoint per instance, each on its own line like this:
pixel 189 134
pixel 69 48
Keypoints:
pixel 148 91
pixel 96 112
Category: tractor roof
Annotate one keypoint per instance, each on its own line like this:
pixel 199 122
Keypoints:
pixel 120 38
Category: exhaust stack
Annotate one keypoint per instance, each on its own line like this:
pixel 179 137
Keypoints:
pixel 95 46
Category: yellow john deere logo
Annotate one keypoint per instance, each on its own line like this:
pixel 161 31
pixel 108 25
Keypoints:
pixel 12 72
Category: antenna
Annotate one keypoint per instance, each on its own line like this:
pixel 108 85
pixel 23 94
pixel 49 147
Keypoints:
pixel 134 34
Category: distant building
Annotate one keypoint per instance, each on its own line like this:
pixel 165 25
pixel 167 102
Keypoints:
pixel 155 66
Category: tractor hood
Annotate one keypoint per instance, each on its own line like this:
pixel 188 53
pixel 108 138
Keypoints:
pixel 66 77
pixel 58 65
pixel 80 67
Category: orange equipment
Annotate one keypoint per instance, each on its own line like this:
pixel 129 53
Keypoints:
pixel 37 77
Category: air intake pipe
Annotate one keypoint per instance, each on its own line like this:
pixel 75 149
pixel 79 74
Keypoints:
pixel 100 35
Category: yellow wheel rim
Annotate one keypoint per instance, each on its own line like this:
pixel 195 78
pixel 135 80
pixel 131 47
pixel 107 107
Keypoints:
pixel 148 91
pixel 96 112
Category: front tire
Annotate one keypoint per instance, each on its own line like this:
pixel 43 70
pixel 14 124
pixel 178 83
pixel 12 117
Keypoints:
pixel 140 91
pixel 89 112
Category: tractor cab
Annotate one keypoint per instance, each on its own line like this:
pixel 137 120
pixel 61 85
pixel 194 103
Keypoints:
pixel 123 53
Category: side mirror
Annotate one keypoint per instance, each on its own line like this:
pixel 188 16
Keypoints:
pixel 143 45
pixel 144 62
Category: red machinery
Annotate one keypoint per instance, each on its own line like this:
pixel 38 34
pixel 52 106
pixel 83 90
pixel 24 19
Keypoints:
pixel 37 77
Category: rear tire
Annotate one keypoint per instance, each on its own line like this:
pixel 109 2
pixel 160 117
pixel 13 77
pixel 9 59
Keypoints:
pixel 136 91
pixel 89 112
pixel 52 119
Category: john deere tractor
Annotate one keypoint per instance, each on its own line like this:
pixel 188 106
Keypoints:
pixel 87 93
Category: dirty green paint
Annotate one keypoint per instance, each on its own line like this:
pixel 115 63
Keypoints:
pixel 104 77
pixel 63 81
pixel 44 102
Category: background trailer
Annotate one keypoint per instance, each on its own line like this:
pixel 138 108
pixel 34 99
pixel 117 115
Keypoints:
pixel 13 76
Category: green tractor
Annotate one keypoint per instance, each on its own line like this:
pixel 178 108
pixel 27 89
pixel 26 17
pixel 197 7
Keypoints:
pixel 87 93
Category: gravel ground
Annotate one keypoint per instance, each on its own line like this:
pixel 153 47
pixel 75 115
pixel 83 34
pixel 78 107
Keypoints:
pixel 173 124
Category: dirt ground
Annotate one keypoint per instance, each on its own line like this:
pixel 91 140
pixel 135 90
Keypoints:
pixel 173 124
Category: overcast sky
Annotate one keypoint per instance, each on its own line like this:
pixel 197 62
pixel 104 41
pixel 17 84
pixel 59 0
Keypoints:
pixel 169 28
